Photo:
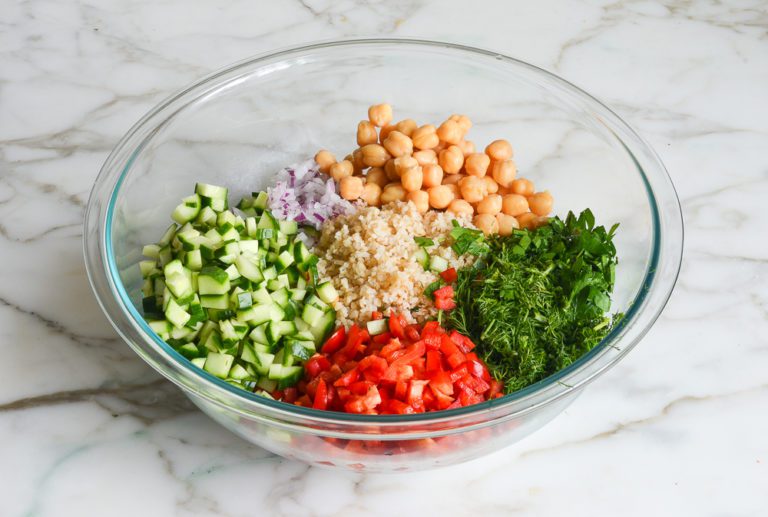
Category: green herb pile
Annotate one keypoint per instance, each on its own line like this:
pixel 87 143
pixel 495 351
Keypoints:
pixel 537 300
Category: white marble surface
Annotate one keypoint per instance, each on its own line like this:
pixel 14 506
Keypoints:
pixel 679 428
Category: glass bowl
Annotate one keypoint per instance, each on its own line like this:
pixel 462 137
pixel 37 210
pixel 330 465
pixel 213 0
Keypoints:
pixel 240 125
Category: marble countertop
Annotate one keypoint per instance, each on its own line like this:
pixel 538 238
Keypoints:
pixel 677 428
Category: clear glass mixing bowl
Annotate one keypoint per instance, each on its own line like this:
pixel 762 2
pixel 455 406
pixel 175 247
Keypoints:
pixel 238 126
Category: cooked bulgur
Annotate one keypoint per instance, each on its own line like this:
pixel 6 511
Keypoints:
pixel 369 257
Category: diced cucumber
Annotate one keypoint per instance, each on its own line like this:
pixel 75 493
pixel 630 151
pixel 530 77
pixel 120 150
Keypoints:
pixel 437 264
pixel 256 315
pixel 211 191
pixel 249 247
pixel 151 251
pixel 168 236
pixel 311 315
pixel 239 373
pixel 298 295
pixel 249 269
pixel 187 210
pixel 199 362
pixel 323 326
pixel 327 292
pixel 261 295
pixel 267 221
pixel 218 364
pixel 206 216
pixel 259 335
pixel 422 257
pixel 160 326
pixel 214 301
pixel 285 376
pixel 213 280
pixel 267 384
pixel 280 296
pixel 376 327
pixel 260 200
pixel 193 260
pixel 317 302
pixel 284 260
pixel 176 315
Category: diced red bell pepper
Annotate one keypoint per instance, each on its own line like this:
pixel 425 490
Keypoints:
pixel 456 360
pixel 347 378
pixel 415 393
pixel 449 275
pixel 413 332
pixel 401 389
pixel 321 396
pixel 376 315
pixel 445 304
pixel 476 384
pixel 335 341
pixel 316 364
pixel 434 361
pixel 441 381
pixel 360 387
pixel 463 342
pixel 431 327
pixel 444 292
pixel 398 372
pixel 411 353
pixel 432 340
pixel 497 388
pixel 382 339
pixel 290 395
pixel 447 346
pixel 399 408
pixel 459 372
pixel 397 325
pixel 478 369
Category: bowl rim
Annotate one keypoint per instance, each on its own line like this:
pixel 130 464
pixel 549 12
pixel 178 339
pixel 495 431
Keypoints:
pixel 105 281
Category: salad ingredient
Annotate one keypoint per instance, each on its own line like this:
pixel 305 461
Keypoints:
pixel 391 367
pixel 404 159
pixel 304 195
pixel 235 295
pixel 380 114
pixel 369 257
pixel 324 160
pixel 538 299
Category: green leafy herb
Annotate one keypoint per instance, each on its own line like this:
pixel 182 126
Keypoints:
pixel 424 241
pixel 434 286
pixel 466 240
pixel 539 299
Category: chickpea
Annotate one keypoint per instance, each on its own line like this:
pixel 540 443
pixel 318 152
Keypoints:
pixel 455 189
pixel 450 131
pixel 503 191
pixel 463 122
pixel 440 196
pixel 391 170
pixel 504 172
pixel 441 146
pixel 487 223
pixel 477 164
pixel 541 203
pixel 403 164
pixel 425 157
pixel 420 199
pixel 451 179
pixel 451 159
pixel 374 155
pixel 507 224
pixel 385 131
pixel 398 144
pixel 380 114
pixel 425 137
pixel 357 161
pixel 366 133
pixel 341 170
pixel 490 185
pixel 406 126
pixel 499 150
pixel 467 147
pixel 472 189
pixel 433 174
pixel 377 176
pixel 371 194
pixel 412 179
pixel 459 206
pixel 514 204
pixel 351 187
pixel 491 204
pixel 392 192
pixel 324 160
pixel 526 220
pixel 522 186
